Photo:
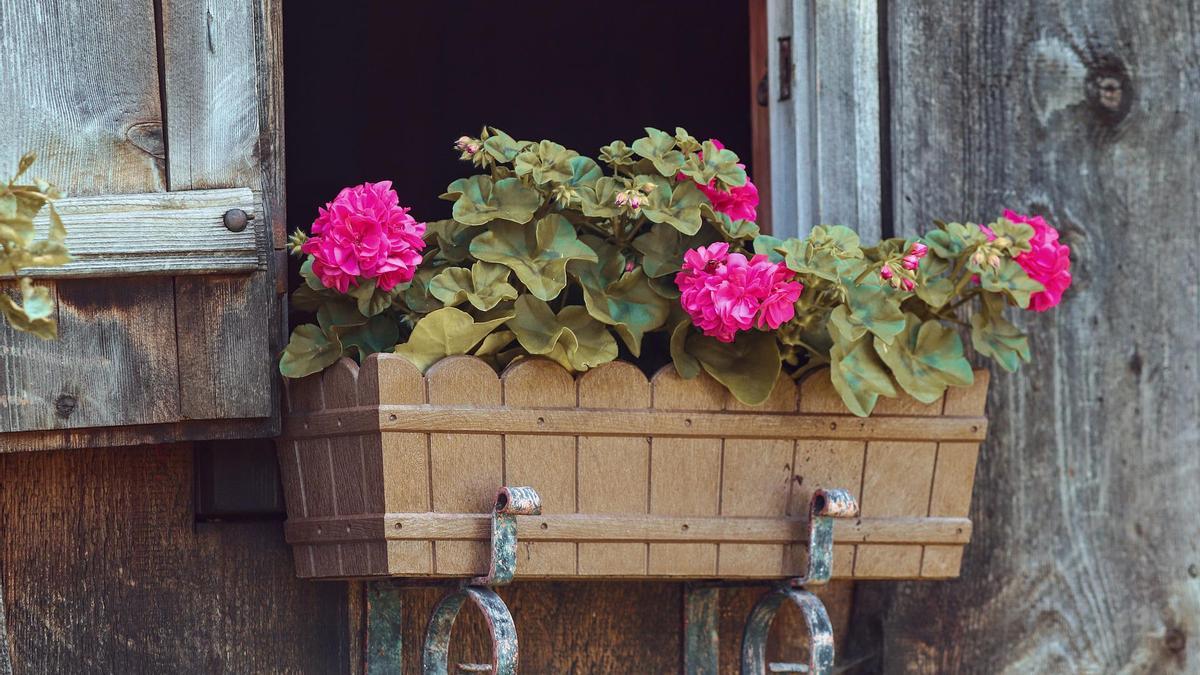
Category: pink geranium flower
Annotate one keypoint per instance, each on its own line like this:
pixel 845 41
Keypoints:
pixel 739 203
pixel 364 233
pixel 1047 262
pixel 725 292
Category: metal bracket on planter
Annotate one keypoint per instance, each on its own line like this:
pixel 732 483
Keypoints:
pixel 510 502
pixel 702 602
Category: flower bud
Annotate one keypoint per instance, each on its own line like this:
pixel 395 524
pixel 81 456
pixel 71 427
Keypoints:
pixel 629 266
pixel 911 262
pixel 648 188
pixel 918 249
pixel 979 257
pixel 462 142
pixel 885 272
pixel 907 284
pixel 621 198
pixel 472 148
pixel 635 202
pixel 994 260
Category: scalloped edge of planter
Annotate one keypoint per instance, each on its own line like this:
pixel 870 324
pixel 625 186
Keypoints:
pixel 391 472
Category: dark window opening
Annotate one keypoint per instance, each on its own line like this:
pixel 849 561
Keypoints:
pixel 380 90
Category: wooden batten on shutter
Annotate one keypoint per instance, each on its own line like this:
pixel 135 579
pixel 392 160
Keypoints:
pixel 824 111
pixel 156 126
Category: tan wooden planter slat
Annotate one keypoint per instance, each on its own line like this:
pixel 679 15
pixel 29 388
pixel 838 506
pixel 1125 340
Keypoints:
pixel 388 472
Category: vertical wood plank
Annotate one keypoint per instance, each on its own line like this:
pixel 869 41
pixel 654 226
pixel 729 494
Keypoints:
pixel 846 65
pixel 760 112
pixel 685 473
pixel 397 464
pixel 87 101
pixel 897 480
pixel 211 93
pixel 793 198
pixel 546 463
pixel 465 469
pixel 756 477
pixel 347 462
pixel 302 395
pixel 614 473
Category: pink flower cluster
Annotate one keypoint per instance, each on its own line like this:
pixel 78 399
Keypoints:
pixel 739 203
pixel 910 262
pixel 725 293
pixel 1047 262
pixel 365 234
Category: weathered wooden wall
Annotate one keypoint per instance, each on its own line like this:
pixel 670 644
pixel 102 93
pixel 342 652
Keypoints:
pixel 1086 548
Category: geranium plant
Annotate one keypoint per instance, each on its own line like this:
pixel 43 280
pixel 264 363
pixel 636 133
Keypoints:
pixel 552 253
pixel 31 308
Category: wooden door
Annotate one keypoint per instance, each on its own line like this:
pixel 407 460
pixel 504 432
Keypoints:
pixel 157 119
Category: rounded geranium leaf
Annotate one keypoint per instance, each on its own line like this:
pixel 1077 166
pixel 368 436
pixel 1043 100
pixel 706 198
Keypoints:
pixel 659 148
pixel 540 261
pixel 748 366
pixel 310 350
pixel 481 201
pixel 859 375
pixel 630 305
pixel 926 358
pixel 535 325
pixel 445 332
pixel 680 208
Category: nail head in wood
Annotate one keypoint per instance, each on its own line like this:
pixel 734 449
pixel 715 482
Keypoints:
pixel 235 220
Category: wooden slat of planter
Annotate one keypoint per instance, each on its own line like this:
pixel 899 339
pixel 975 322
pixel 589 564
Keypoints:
pixel 349 474
pixel 160 233
pixel 465 470
pixel 400 462
pixel 485 419
pixel 614 472
pixel 544 462
pixel 303 396
pixel 624 528
pixel 756 480
pixel 685 473
pixel 897 478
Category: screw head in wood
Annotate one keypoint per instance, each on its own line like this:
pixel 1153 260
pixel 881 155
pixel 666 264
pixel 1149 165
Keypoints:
pixel 235 220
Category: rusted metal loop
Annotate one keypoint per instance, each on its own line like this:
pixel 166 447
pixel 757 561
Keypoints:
pixel 758 625
pixel 436 655
pixel 510 502
pixel 823 507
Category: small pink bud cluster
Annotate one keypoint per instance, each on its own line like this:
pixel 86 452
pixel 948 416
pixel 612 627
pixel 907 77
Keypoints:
pixel 903 277
pixel 467 145
pixel 634 197
pixel 725 292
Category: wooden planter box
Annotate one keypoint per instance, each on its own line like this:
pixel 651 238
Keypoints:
pixel 388 472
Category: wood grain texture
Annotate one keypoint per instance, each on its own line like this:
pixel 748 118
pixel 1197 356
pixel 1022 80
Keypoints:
pixel 105 571
pixel 1085 527
pixel 228 326
pixel 628 491
pixel 158 233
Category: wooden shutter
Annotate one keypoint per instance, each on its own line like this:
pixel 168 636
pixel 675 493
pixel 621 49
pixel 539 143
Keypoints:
pixel 824 109
pixel 156 126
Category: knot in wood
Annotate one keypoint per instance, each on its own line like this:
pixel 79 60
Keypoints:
pixel 1176 640
pixel 64 405
pixel 1109 89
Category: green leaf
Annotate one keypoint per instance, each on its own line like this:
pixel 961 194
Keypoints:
pixel 680 210
pixel 926 358
pixel 877 308
pixel 994 336
pixel 572 338
pixel 310 350
pixel 539 258
pixel 481 201
pixel 545 162
pixel 417 297
pixel 616 154
pixel 824 253
pixel 492 344
pixel 736 230
pixel 485 285
pixel 719 164
pixel 502 147
pixel 306 299
pixel 748 367
pixel 1011 280
pixel 598 199
pixel 936 292
pixel 858 375
pixel 452 238
pixel 584 172
pixel 1018 234
pixel 659 148
pixel 379 334
pixel 371 299
pixel 952 239
pixel 685 364
pixel 310 277
pixel 445 332
pixel 765 244
pixel 662 250
pixel 630 305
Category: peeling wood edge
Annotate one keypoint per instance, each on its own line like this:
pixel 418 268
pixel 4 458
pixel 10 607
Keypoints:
pixel 621 528
pixel 612 422
pixel 138 434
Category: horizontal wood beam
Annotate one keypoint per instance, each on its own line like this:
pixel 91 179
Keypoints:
pixel 159 233
pixel 584 422
pixel 617 528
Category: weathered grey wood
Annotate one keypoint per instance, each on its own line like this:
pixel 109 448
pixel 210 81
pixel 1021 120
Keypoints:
pixel 1086 555
pixel 159 233
pixel 211 81
pixel 825 137
pixel 846 63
